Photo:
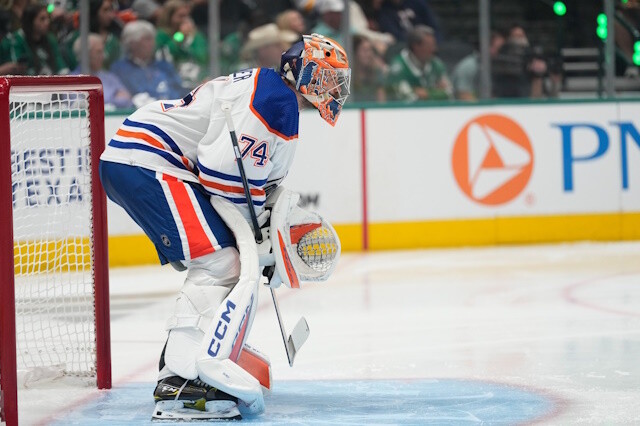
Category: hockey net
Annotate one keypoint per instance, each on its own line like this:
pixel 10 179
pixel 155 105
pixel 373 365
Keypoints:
pixel 54 285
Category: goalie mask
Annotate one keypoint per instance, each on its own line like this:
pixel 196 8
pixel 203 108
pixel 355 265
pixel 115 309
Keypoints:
pixel 319 69
pixel 305 246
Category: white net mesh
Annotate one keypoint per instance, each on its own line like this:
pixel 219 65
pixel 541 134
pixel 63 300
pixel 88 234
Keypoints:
pixel 52 212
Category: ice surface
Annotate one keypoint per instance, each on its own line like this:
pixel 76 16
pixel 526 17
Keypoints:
pixel 500 335
pixel 352 402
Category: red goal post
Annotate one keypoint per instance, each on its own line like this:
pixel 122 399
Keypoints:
pixel 66 115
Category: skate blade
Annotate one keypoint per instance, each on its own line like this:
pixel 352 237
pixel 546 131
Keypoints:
pixel 214 410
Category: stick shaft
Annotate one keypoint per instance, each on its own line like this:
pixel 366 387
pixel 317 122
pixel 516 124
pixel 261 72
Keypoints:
pixel 245 182
pixel 254 219
pixel 282 331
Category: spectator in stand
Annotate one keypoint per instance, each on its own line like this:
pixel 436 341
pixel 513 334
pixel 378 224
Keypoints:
pixel 33 45
pixel 265 45
pixel 331 14
pixel 267 10
pixel 517 70
pixel 231 46
pixel 360 26
pixel 200 15
pixel 10 21
pixel 11 67
pixel 149 10
pixel 239 15
pixel 63 18
pixel 12 11
pixel 145 77
pixel 370 9
pixel 115 94
pixel 368 74
pixel 398 17
pixel 466 73
pixel 179 42
pixel 102 21
pixel 124 4
pixel 234 15
pixel 330 19
pixel 416 73
pixel 291 20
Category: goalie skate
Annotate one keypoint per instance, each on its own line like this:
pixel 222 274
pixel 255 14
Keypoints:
pixel 180 399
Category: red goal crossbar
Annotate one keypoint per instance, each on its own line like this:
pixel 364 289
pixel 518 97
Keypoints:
pixel 8 377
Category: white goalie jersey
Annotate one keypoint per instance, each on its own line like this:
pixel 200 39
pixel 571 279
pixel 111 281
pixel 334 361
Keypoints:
pixel 188 138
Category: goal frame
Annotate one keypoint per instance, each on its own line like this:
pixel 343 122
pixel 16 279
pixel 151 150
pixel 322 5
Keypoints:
pixel 8 367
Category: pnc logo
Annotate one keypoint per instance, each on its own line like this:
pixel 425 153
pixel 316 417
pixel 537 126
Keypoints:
pixel 492 159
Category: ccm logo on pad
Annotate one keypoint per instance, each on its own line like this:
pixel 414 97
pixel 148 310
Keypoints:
pixel 221 329
pixel 492 159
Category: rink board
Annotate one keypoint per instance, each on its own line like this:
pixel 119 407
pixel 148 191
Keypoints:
pixel 448 175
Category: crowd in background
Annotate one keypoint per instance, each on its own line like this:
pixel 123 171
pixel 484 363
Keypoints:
pixel 158 49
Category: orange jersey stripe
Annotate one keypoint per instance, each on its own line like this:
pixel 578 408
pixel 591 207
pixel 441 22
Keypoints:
pixel 199 243
pixel 234 189
pixel 152 141
pixel 140 135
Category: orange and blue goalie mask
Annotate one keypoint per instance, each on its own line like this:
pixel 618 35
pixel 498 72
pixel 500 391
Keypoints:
pixel 319 68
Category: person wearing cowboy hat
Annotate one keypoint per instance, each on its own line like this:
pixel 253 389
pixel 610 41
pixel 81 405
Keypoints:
pixel 265 45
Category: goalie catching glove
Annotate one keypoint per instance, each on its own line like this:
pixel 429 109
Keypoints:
pixel 302 246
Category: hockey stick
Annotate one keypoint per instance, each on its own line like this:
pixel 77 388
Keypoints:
pixel 300 332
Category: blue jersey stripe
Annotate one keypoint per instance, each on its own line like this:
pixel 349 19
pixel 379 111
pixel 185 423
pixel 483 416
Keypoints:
pixel 164 154
pixel 232 178
pixel 224 193
pixel 240 200
pixel 157 131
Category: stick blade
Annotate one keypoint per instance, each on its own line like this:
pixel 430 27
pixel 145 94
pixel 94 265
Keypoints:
pixel 297 338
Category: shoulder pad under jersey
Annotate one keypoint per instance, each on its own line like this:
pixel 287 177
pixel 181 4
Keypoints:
pixel 275 104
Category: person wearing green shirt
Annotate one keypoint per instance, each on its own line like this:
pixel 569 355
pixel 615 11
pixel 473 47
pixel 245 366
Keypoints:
pixel 416 73
pixel 33 45
pixel 178 41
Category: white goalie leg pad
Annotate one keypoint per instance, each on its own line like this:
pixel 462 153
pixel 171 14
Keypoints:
pixel 234 380
pixel 232 321
pixel 208 283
